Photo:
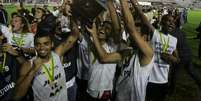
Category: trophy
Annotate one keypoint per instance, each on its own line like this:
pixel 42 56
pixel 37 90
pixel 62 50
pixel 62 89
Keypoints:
pixel 88 9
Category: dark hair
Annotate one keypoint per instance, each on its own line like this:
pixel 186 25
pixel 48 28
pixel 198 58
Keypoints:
pixel 44 12
pixel 164 18
pixel 14 13
pixel 41 34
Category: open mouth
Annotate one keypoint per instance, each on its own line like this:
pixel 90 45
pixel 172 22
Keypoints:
pixel 101 33
pixel 13 26
pixel 170 28
pixel 42 51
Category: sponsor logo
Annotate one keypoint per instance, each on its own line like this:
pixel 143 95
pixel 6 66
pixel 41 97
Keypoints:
pixel 7 88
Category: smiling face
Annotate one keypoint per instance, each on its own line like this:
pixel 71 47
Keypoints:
pixel 104 31
pixel 43 46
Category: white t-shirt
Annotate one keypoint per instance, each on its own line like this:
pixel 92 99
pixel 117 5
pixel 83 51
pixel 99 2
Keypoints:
pixel 101 75
pixel 136 92
pixel 161 68
pixel 54 91
pixel 27 40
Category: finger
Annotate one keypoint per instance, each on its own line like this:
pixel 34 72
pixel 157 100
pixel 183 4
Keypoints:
pixel 94 25
pixel 88 29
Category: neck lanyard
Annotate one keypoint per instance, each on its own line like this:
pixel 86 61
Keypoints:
pixel 165 43
pixel 19 41
pixel 49 73
pixel 4 62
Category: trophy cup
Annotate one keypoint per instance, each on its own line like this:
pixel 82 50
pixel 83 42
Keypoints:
pixel 88 9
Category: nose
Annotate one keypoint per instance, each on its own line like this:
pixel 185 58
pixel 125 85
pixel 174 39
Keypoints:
pixel 41 47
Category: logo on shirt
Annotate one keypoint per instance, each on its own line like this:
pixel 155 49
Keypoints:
pixel 66 65
pixel 6 88
pixel 127 73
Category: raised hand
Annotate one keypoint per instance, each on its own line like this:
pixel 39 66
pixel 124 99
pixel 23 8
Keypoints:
pixel 10 49
pixel 93 30
pixel 135 2
pixel 37 63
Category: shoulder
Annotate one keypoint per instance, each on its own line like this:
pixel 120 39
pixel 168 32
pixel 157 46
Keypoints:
pixel 30 34
pixel 155 34
pixel 146 67
pixel 172 37
pixel 55 55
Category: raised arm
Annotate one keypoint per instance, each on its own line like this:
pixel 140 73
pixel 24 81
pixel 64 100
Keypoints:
pixel 146 50
pixel 142 16
pixel 27 72
pixel 114 17
pixel 103 55
pixel 70 41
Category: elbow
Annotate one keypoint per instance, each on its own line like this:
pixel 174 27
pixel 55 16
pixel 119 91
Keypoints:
pixel 18 95
pixel 103 59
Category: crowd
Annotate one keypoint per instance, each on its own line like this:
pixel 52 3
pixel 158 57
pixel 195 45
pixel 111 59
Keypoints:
pixel 117 52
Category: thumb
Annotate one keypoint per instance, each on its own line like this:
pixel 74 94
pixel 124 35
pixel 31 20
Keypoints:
pixel 88 29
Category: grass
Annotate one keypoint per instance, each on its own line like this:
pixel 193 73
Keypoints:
pixel 194 18
pixel 186 89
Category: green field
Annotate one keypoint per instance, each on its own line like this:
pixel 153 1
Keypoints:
pixel 186 90
pixel 12 8
pixel 194 18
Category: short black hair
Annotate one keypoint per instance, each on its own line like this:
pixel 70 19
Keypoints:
pixel 41 34
pixel 164 18
pixel 44 12
pixel 14 13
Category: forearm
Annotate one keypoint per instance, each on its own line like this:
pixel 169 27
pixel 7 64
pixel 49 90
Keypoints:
pixel 114 17
pixel 101 51
pixel 21 59
pixel 23 85
pixel 142 16
pixel 128 19
pixel 69 42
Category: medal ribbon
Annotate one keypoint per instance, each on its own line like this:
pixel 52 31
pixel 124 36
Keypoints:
pixel 19 41
pixel 49 73
pixel 165 43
